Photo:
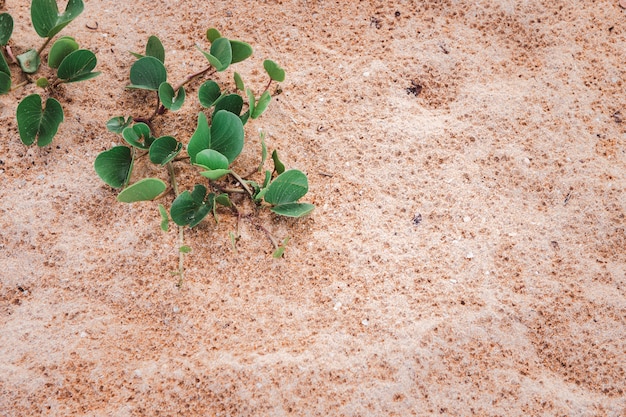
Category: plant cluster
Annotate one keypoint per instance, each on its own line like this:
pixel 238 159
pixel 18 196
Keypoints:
pixel 38 122
pixel 216 143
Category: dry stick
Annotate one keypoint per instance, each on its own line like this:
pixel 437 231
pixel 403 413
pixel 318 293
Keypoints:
pixel 243 183
pixel 181 233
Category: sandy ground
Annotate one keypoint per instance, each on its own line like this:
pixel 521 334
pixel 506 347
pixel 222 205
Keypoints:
pixel 467 255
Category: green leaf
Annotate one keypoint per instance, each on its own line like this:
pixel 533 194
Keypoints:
pixel 221 54
pixel 288 187
pixel 146 189
pixel 77 66
pixel 147 73
pixel 240 51
pixel 114 166
pixel 261 105
pixel 118 124
pixel 4 67
pixel 212 34
pixel 211 159
pixel 190 208
pixel 268 178
pixel 170 100
pixel 6 28
pixel 42 82
pixel 224 200
pixel 293 209
pixel 251 100
pixel 5 82
pixel 238 81
pixel 60 49
pixel 278 253
pixel 184 249
pixel 138 135
pixel 208 93
pixel 37 123
pixel 164 149
pixel 165 219
pixel 263 151
pixel 46 18
pixel 275 72
pixel 231 102
pixel 29 61
pixel 201 138
pixel 215 174
pixel 154 48
pixel 278 166
pixel 227 134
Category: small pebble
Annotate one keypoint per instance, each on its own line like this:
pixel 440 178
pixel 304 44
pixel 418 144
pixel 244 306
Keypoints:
pixel 337 306
pixel 467 219
pixel 470 255
pixel 365 322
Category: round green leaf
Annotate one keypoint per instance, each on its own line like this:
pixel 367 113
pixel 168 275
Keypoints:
pixel 46 18
pixel 201 138
pixel 77 66
pixel 227 134
pixel 138 135
pixel 275 72
pixel 293 209
pixel 37 123
pixel 240 51
pixel 154 48
pixel 6 28
pixel 5 83
pixel 221 54
pixel 114 166
pixel 261 105
pixel 288 187
pixel 29 61
pixel 118 124
pixel 170 100
pixel 208 93
pixel 147 73
pixel 212 34
pixel 190 208
pixel 164 149
pixel 211 159
pixel 61 48
pixel 146 189
pixel 231 102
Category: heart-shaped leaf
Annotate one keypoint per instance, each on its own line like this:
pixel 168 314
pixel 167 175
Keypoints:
pixel 212 34
pixel 77 66
pixel 61 48
pixel 240 51
pixel 170 100
pixel 154 48
pixel 220 55
pixel 261 105
pixel 211 159
pixel 114 166
pixel 288 187
pixel 208 93
pixel 164 149
pixel 118 124
pixel 36 123
pixel 147 73
pixel 46 18
pixel 201 138
pixel 138 136
pixel 293 209
pixel 227 134
pixel 231 102
pixel 190 208
pixel 146 189
pixel 29 61
pixel 6 28
pixel 275 72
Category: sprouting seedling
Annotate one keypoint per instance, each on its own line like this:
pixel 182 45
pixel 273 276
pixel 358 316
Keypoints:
pixel 38 121
pixel 215 145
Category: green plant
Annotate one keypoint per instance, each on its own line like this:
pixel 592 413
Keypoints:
pixel 216 143
pixel 39 122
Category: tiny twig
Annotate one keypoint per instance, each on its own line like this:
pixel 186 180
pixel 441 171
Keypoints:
pixel 243 183
pixel 10 55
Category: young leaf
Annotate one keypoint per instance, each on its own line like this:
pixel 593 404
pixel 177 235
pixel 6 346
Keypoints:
pixel 42 82
pixel 288 187
pixel 208 93
pixel 170 100
pixel 61 48
pixel 118 124
pixel 268 178
pixel 201 138
pixel 240 51
pixel 77 66
pixel 190 208
pixel 212 34
pixel 165 219
pixel 231 102
pixel 261 105
pixel 275 72
pixel 293 209
pixel 220 55
pixel 37 123
pixel 154 48
pixel 227 134
pixel 238 82
pixel 211 159
pixel 215 174
pixel 263 151
pixel 223 200
pixel 164 149
pixel 147 73
pixel 6 28
pixel 46 18
pixel 138 135
pixel 278 166
pixel 114 166
pixel 278 253
pixel 146 189
pixel 29 61
pixel 185 249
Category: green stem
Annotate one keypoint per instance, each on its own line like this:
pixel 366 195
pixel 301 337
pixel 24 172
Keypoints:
pixel 181 230
pixel 40 50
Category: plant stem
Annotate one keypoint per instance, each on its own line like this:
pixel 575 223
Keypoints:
pixel 243 183
pixel 181 230
pixel 42 47
pixel 189 78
